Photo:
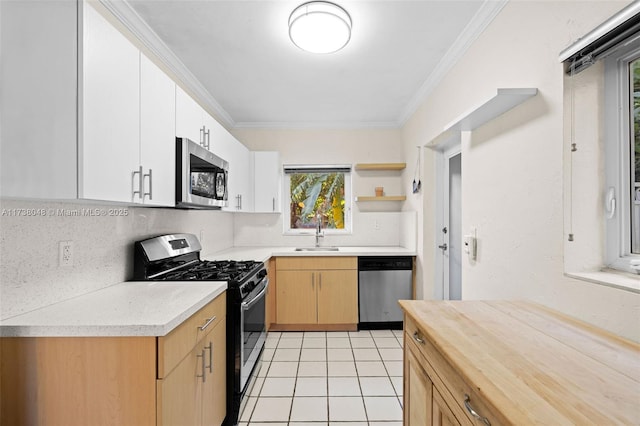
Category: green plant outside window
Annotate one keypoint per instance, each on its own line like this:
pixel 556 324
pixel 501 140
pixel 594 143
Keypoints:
pixel 316 193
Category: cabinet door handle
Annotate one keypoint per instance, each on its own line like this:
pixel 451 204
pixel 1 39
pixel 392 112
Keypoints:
pixel 313 280
pixel 207 323
pixel 202 136
pixel 207 142
pixel 204 378
pixel 417 338
pixel 474 413
pixel 140 182
pixel 150 193
pixel 273 204
pixel 210 349
pixel 319 280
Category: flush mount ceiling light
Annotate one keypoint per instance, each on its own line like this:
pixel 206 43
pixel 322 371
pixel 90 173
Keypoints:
pixel 320 27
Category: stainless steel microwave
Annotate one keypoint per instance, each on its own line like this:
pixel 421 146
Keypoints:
pixel 201 177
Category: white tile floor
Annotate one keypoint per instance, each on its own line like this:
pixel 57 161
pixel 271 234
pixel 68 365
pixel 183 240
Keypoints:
pixel 328 379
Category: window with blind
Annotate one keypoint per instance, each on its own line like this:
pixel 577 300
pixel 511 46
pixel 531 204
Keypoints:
pixel 622 149
pixel 616 44
pixel 317 193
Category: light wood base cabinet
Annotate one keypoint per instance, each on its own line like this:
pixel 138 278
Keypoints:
pixel 78 381
pixel 316 293
pixel 194 392
pixel 517 363
pixel 419 391
pixel 118 380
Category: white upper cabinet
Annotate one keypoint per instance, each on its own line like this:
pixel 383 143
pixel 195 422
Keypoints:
pixel 194 123
pixel 38 104
pixel 127 149
pixel 110 113
pixel 189 117
pixel 85 114
pixel 240 183
pixel 157 134
pixel 267 181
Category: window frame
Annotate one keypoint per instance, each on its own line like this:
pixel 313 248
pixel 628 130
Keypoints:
pixel 618 228
pixel 348 199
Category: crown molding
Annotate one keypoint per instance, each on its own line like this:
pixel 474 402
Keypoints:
pixel 318 125
pixel 123 11
pixel 485 15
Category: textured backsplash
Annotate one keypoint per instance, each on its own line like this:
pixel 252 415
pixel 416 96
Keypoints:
pixel 102 237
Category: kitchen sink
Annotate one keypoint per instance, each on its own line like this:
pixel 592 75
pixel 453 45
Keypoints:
pixel 317 249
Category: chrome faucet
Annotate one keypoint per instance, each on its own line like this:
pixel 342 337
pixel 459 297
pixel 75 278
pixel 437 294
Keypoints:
pixel 319 233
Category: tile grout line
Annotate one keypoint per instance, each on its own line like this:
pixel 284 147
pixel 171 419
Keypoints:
pixel 325 349
pixel 364 406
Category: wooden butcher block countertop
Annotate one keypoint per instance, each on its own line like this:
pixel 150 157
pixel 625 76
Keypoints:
pixel 530 364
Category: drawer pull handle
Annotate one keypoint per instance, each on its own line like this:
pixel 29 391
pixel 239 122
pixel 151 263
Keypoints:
pixel 203 376
pixel 206 324
pixel 210 349
pixel 417 338
pixel 474 413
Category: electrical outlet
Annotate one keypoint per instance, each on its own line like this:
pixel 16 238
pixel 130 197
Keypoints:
pixel 65 253
pixel 376 225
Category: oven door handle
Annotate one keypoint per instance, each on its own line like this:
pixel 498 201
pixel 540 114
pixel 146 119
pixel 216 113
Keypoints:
pixel 246 306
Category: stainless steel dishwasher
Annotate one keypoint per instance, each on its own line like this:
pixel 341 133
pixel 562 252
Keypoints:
pixel 382 281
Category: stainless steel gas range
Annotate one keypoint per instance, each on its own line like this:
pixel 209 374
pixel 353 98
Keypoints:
pixel 176 257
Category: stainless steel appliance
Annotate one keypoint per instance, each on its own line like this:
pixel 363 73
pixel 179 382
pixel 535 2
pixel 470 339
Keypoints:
pixel 201 176
pixel 176 257
pixel 382 281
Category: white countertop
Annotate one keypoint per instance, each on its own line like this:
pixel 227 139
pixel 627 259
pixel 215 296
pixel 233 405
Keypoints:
pixel 147 308
pixel 150 308
pixel 264 253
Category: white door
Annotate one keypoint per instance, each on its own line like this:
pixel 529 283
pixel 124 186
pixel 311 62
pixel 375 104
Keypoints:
pixel 453 266
pixel 449 225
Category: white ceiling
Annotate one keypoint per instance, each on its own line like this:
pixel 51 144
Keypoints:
pixel 253 75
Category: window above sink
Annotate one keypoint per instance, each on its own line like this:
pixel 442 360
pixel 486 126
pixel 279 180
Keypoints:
pixel 317 191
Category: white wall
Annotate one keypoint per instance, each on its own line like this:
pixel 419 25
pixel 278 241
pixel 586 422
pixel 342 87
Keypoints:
pixel 512 167
pixel 381 227
pixel 103 247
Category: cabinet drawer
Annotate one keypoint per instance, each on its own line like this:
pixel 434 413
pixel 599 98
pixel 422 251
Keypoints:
pixel 451 386
pixel 176 345
pixel 316 263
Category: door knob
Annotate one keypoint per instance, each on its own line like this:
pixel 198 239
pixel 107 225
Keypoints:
pixel 443 246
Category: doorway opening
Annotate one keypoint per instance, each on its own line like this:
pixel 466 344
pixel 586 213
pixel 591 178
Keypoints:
pixel 448 260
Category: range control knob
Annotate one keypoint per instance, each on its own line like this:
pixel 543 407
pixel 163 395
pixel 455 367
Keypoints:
pixel 249 286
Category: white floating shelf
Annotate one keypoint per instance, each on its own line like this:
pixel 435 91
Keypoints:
pixel 382 198
pixel 501 102
pixel 380 166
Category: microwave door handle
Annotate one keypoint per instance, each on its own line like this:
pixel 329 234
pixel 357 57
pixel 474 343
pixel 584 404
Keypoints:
pixel 246 306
